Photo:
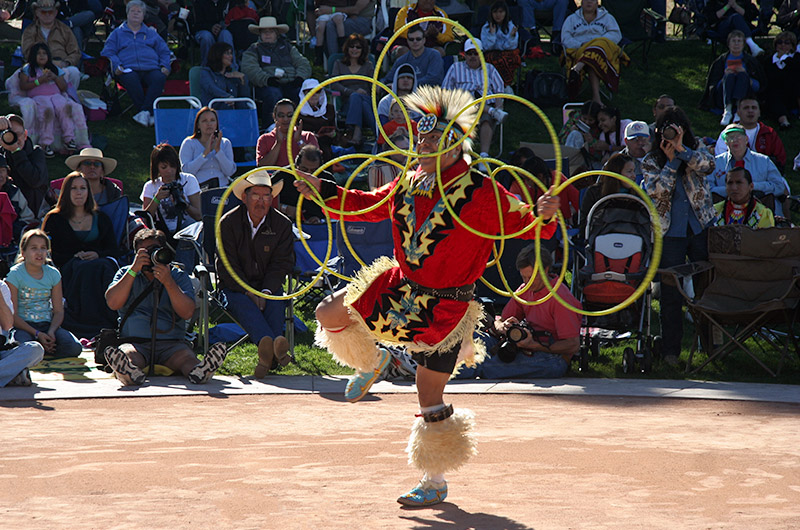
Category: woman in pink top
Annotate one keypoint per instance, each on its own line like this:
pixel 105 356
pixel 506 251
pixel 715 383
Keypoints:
pixel 45 84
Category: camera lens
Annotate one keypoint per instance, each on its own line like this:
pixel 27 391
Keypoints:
pixel 669 133
pixel 9 137
pixel 162 255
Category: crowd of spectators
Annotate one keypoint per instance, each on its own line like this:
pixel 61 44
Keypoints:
pixel 249 50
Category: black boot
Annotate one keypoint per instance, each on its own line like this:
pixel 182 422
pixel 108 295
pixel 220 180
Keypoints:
pixel 319 52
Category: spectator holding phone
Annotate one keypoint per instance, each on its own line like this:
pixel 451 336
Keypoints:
pixel 206 154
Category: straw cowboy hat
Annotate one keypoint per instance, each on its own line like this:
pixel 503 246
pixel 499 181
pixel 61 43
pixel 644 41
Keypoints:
pixel 90 153
pixel 268 23
pixel 45 4
pixel 259 178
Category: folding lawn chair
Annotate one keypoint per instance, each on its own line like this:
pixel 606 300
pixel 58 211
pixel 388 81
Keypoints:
pixel 306 268
pixel 239 124
pixel 369 240
pixel 754 275
pixel 174 118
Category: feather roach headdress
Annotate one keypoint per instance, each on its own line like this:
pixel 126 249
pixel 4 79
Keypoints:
pixel 439 107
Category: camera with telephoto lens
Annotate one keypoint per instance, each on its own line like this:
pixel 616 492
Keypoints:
pixel 669 132
pixel 508 349
pixel 162 255
pixel 9 137
pixel 176 192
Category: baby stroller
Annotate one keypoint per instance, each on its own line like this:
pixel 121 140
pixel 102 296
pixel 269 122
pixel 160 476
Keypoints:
pixel 619 247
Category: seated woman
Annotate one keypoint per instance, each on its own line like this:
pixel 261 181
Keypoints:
pixel 725 16
pixel 618 163
pixel 218 79
pixel 356 93
pixel 139 58
pixel 783 78
pixel 83 238
pixel 94 167
pixel 732 76
pixel 172 198
pixel 590 37
pixel 741 207
pixel 319 116
pixel 206 154
pixel 582 132
pixel 500 40
pixel 612 130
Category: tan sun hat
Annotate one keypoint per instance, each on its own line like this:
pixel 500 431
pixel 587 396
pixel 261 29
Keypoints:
pixel 45 4
pixel 268 23
pixel 90 153
pixel 259 178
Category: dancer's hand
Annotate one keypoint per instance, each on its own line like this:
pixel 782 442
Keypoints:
pixel 548 204
pixel 303 187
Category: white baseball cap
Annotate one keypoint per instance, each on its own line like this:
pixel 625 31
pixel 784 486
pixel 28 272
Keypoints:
pixel 636 128
pixel 469 45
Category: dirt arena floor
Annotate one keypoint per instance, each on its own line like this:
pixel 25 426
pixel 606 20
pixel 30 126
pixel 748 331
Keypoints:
pixel 313 462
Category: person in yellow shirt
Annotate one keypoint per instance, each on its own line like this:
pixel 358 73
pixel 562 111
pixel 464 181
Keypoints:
pixel 741 207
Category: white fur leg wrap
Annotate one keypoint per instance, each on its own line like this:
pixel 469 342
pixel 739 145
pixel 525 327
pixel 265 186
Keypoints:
pixel 354 346
pixel 442 446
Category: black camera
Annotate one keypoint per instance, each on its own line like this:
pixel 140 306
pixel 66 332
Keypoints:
pixel 9 137
pixel 669 132
pixel 508 349
pixel 162 255
pixel 176 192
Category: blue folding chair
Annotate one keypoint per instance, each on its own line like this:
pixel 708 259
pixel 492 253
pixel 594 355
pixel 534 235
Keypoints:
pixel 306 268
pixel 369 240
pixel 119 212
pixel 238 121
pixel 173 124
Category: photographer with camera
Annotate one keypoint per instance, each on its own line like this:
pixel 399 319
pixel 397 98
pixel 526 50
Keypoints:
pixel 172 198
pixel 27 164
pixel 531 341
pixel 155 330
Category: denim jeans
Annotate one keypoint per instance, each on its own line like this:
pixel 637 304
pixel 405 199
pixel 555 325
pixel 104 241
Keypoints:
pixel 529 7
pixel 359 111
pixel 81 21
pixel 257 324
pixel 539 365
pixel 67 344
pixel 354 24
pixel 735 87
pixel 206 39
pixel 135 83
pixel 15 360
pixel 675 251
pixel 732 22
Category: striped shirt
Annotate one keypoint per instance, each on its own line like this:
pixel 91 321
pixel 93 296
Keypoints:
pixel 471 79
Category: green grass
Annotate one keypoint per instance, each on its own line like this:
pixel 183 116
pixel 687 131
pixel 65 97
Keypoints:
pixel 676 67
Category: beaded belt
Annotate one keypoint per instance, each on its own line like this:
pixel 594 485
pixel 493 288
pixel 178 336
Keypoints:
pixel 460 294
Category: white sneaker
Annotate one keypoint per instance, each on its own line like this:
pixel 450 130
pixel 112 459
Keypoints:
pixel 498 114
pixel 142 118
pixel 727 116
pixel 756 50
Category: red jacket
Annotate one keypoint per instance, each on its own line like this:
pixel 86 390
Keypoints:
pixel 769 143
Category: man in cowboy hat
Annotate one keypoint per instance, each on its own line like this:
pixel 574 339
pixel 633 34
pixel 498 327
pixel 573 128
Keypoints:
pixel 423 299
pixel 273 66
pixel 259 244
pixel 95 168
pixel 64 47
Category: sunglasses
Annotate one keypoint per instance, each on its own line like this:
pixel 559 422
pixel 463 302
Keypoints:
pixel 471 53
pixel 355 46
pixel 90 163
pixel 415 39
